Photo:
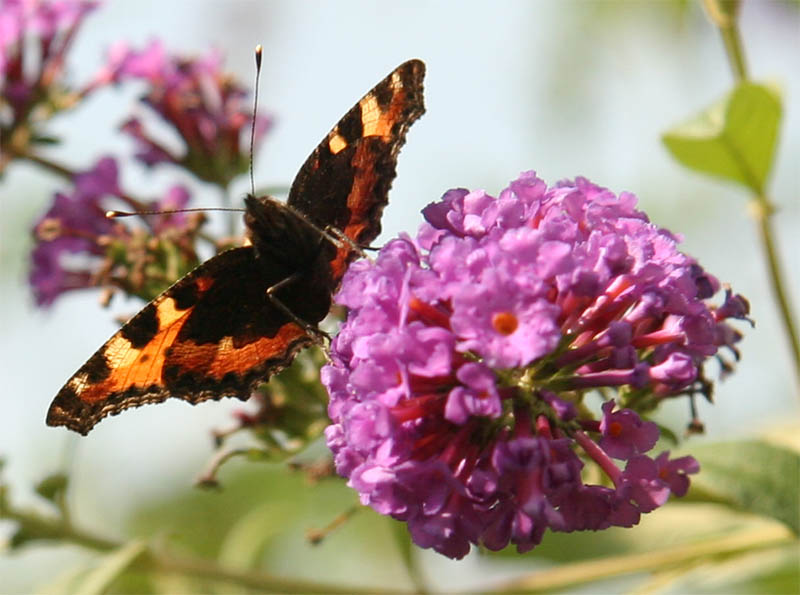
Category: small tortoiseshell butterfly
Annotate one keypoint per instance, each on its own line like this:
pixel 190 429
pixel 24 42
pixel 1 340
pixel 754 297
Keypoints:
pixel 216 332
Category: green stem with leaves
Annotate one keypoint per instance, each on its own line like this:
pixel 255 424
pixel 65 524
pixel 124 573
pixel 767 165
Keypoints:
pixel 34 527
pixel 724 14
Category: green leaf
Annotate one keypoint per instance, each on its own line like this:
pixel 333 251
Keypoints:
pixel 245 542
pixel 408 553
pixel 110 568
pixel 65 583
pixel 670 543
pixel 225 526
pixel 733 139
pixel 751 476
pixel 772 570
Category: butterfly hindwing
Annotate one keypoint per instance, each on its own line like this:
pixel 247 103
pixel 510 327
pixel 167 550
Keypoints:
pixel 213 334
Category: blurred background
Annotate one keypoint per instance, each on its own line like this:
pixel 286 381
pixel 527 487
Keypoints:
pixel 564 88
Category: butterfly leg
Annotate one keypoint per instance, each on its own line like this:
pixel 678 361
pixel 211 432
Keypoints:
pixel 334 235
pixel 343 239
pixel 318 334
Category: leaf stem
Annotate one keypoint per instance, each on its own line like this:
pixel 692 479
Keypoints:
pixel 208 477
pixel 733 47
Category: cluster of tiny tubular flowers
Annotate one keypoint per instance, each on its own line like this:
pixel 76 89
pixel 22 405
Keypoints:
pixel 34 39
pixel 458 382
pixel 207 108
pixel 77 246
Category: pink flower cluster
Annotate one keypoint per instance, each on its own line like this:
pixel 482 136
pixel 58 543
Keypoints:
pixel 74 237
pixel 34 38
pixel 459 381
pixel 203 104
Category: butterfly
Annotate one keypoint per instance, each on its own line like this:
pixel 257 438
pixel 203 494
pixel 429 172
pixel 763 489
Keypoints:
pixel 242 315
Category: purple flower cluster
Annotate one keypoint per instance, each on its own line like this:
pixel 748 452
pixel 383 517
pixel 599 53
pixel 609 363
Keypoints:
pixel 34 38
pixel 458 382
pixel 204 105
pixel 77 246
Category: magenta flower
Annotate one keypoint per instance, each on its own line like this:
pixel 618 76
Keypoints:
pixel 77 247
pixel 74 224
pixel 458 383
pixel 205 106
pixel 34 38
pixel 624 434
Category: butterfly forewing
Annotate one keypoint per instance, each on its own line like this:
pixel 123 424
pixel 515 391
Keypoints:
pixel 344 183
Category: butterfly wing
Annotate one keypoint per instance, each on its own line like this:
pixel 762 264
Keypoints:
pixel 345 182
pixel 213 334
pixel 216 333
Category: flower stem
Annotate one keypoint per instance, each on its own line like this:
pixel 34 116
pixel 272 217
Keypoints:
pixel 724 14
pixel 40 527
pixel 762 213
pixel 208 478
pixel 407 551
pixel 599 456
pixel 52 166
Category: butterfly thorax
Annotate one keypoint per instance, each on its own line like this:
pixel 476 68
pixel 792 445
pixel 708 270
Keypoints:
pixel 290 247
pixel 283 236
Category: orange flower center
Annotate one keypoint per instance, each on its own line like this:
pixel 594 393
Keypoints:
pixel 505 323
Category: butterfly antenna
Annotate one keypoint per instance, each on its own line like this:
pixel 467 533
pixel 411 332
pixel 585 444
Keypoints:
pixel 259 51
pixel 118 214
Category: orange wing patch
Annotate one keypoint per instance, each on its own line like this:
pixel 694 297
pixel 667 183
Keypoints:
pixel 156 355
pixel 336 142
pixel 121 375
pixel 217 360
pixel 378 121
pixel 385 114
pixel 131 367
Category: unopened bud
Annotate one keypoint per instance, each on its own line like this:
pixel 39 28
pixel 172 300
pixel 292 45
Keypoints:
pixel 49 229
